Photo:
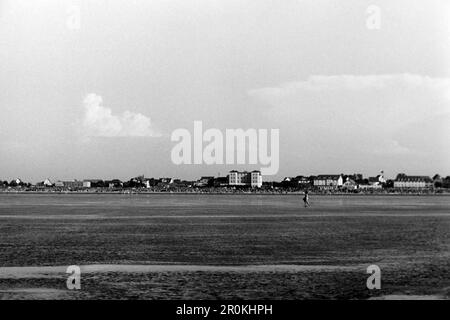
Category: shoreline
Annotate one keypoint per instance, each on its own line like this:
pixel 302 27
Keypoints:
pixel 296 193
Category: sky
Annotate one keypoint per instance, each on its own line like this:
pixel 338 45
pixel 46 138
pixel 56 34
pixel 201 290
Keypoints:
pixel 94 89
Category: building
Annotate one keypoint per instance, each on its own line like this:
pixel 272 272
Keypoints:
pixel 373 182
pixel 370 186
pixel 298 182
pixel 221 181
pixel 378 180
pixel 302 181
pixel 207 181
pixel 256 179
pixel 405 181
pixel 92 183
pixel 115 183
pixel 244 178
pixel 236 178
pixel 69 184
pixel 350 184
pixel 328 181
pixel 288 182
pixel 46 183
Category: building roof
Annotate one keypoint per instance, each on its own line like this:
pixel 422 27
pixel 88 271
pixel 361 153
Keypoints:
pixel 328 176
pixel 414 179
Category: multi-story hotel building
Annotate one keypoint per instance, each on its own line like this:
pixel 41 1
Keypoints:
pixel 404 181
pixel 245 178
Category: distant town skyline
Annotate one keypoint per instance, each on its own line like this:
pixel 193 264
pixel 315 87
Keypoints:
pixel 94 89
pixel 218 175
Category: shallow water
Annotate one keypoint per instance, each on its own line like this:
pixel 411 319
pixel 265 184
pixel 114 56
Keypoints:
pixel 223 246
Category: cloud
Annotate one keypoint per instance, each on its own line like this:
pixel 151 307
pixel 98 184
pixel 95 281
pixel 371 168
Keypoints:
pixel 357 119
pixel 99 121
pixel 390 90
pixel 391 147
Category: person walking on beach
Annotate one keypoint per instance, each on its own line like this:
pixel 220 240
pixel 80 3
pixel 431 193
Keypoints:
pixel 306 199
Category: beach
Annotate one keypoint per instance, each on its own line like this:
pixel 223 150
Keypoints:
pixel 176 246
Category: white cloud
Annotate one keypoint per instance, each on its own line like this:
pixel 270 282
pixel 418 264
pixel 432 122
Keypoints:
pixel 391 147
pixel 367 114
pixel 99 121
pixel 352 84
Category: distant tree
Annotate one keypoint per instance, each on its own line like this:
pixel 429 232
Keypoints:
pixel 116 182
pixel 153 182
pixel 210 183
pixel 126 184
pixel 438 184
pixel 389 184
pixel 437 177
pixel 102 184
pixel 437 181
pixel 446 182
pixel 133 183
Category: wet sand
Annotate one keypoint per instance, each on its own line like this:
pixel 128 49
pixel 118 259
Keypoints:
pixel 219 247
pixel 39 272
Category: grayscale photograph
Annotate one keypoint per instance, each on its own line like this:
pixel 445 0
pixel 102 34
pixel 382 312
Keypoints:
pixel 250 151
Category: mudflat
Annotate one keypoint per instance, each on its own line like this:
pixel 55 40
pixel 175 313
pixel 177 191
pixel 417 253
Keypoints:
pixel 173 246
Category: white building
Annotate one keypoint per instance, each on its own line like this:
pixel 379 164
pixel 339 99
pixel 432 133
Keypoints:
pixel 404 181
pixel 91 183
pixel 350 184
pixel 59 184
pixel 236 178
pixel 71 184
pixel 328 181
pixel 244 178
pixel 87 184
pixel 256 179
